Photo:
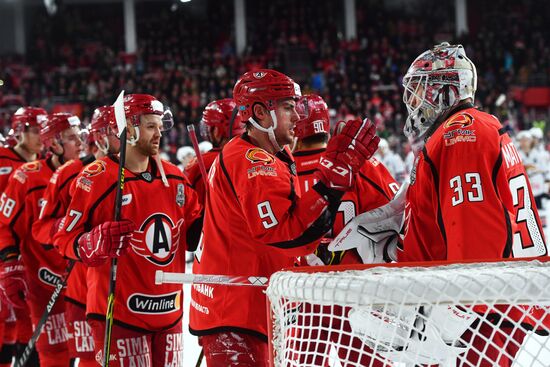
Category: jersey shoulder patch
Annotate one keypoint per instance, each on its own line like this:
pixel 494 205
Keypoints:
pixel 258 155
pixel 22 173
pixel 95 168
pixel 459 129
pixel 34 166
pixel 459 121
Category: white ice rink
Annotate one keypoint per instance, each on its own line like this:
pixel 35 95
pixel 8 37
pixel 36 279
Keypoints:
pixel 535 347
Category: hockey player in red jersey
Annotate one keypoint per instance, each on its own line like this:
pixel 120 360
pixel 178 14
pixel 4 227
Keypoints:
pixel 470 166
pixel 373 187
pixel 216 127
pixel 35 268
pixel 256 218
pixel 25 127
pixel 469 197
pixel 25 130
pixel 161 218
pixel 56 199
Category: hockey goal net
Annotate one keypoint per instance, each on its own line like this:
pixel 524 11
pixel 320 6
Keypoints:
pixel 477 314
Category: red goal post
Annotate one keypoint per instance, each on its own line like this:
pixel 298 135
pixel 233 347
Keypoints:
pixel 471 314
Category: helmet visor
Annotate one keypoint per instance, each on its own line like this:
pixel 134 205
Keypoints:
pixel 167 120
pixel 302 108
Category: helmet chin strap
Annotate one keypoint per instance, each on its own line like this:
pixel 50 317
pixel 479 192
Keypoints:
pixel 269 130
pixel 103 148
pixel 133 140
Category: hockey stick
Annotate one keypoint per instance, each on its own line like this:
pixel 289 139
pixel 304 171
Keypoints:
pixel 120 118
pixel 231 121
pixel 199 360
pixel 162 277
pixel 22 361
pixel 195 142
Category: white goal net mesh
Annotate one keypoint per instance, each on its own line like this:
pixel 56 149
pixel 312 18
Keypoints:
pixel 479 314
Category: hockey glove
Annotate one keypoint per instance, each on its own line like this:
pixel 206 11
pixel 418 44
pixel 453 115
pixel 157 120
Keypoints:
pixel 13 284
pixel 109 239
pixel 375 234
pixel 346 153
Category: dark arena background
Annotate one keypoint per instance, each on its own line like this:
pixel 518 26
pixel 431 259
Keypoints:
pixel 76 55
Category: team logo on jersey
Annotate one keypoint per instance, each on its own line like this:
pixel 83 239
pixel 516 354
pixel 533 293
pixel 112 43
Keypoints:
pixel 154 304
pixel 462 121
pixel 157 239
pixel 31 166
pixel 48 277
pixel 147 176
pixel 259 74
pixel 95 168
pixel 180 196
pixel 292 168
pixel 256 155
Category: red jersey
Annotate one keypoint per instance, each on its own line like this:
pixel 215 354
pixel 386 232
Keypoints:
pixel 162 215
pixel 255 222
pixel 20 207
pixel 374 186
pixel 57 197
pixel 10 160
pixel 194 175
pixel 469 196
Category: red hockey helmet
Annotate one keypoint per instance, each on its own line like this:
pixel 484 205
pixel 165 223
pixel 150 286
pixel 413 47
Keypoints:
pixel 101 119
pixel 218 114
pixel 263 86
pixel 56 123
pixel 27 117
pixel 136 105
pixel 314 118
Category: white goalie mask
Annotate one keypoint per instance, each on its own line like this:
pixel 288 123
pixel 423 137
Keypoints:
pixel 436 81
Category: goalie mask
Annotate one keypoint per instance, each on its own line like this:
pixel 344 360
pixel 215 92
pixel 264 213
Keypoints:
pixel 264 86
pixel 435 82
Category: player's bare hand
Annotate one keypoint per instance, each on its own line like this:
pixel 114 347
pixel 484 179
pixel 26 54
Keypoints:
pixel 107 240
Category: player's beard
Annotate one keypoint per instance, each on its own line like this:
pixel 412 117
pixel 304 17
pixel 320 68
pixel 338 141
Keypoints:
pixel 148 148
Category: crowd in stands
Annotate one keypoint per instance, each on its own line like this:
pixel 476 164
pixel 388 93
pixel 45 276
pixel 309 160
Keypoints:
pixel 186 56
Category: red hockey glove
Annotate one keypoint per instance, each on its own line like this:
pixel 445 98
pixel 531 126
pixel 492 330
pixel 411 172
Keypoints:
pixel 13 284
pixel 346 153
pixel 109 239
